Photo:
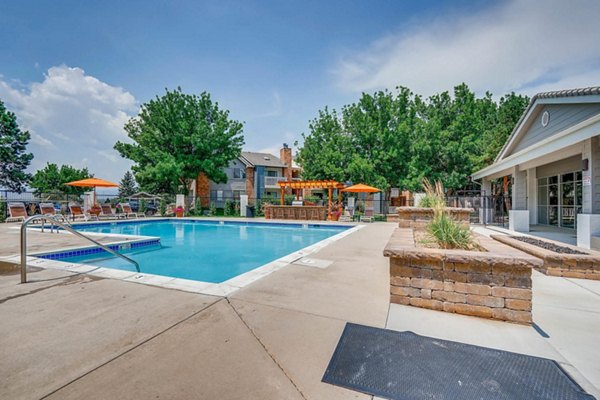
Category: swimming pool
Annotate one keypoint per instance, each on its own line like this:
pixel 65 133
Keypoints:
pixel 207 251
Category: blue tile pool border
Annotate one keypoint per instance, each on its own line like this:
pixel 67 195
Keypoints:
pixel 57 255
pixel 216 222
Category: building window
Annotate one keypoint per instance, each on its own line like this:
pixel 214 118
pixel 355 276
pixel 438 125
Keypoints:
pixel 239 173
pixel 560 199
pixel 272 173
pixel 238 193
pixel 272 194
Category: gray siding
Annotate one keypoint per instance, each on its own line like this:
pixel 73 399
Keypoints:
pixel 232 183
pixel 520 190
pixel 565 165
pixel 595 169
pixel 562 116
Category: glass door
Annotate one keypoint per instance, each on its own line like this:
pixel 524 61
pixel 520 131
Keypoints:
pixel 560 199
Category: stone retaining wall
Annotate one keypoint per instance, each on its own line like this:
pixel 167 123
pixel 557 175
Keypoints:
pixel 494 284
pixel 418 217
pixel 583 266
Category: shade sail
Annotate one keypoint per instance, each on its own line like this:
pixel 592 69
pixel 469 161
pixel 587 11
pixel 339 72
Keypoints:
pixel 361 188
pixel 92 182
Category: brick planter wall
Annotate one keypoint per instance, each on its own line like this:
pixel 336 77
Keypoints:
pixel 494 284
pixel 418 217
pixel 583 266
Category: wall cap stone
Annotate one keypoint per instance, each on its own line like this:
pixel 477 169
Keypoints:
pixel 402 244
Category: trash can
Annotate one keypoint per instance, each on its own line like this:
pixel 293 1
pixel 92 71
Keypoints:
pixel 249 211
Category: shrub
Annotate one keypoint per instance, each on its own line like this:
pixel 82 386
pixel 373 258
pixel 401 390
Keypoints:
pixel 2 211
pixel 288 199
pixel 212 209
pixel 229 209
pixel 142 206
pixel 163 207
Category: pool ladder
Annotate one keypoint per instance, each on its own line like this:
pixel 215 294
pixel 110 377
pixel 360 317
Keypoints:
pixel 54 221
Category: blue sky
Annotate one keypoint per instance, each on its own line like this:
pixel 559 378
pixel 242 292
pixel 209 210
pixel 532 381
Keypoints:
pixel 74 72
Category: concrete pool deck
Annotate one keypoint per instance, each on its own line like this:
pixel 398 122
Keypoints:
pixel 71 336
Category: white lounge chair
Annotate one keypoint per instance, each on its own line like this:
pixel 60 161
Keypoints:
pixel 129 212
pixel 78 213
pixel 17 212
pixel 107 212
pixel 368 216
pixel 346 216
pixel 49 210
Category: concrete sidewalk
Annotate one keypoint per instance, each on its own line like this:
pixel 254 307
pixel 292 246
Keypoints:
pixel 70 336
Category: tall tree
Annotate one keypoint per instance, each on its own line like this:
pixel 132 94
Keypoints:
pixel 51 180
pixel 395 140
pixel 14 158
pixel 127 186
pixel 368 143
pixel 327 149
pixel 176 137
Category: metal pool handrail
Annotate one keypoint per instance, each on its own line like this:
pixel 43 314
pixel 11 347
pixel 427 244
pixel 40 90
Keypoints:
pixel 68 229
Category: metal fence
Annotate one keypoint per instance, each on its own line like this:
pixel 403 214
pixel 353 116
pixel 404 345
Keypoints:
pixel 196 206
pixel 487 209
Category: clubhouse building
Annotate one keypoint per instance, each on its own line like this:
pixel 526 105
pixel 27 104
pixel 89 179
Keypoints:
pixel 553 160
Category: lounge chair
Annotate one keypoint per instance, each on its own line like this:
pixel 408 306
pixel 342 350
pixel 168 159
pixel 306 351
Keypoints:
pixel 107 212
pixel 78 213
pixel 17 212
pixel 346 216
pixel 49 210
pixel 368 216
pixel 129 212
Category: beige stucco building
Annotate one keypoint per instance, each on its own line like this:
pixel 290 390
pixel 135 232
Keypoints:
pixel 553 159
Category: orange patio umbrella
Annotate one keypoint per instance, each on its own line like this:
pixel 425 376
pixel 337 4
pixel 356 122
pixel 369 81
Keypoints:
pixel 92 182
pixel 361 188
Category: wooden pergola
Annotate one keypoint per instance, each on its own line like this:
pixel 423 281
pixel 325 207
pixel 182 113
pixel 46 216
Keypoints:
pixel 319 184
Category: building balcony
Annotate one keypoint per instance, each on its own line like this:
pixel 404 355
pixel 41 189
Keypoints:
pixel 271 181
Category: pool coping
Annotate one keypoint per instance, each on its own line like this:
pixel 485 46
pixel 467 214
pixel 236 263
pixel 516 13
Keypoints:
pixel 222 289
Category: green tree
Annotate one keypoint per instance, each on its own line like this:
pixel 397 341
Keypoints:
pixel 327 149
pixel 368 143
pixel 176 137
pixel 397 139
pixel 508 112
pixel 127 186
pixel 52 178
pixel 13 156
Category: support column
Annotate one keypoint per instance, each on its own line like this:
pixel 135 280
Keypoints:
pixel 485 211
pixel 282 196
pixel 330 191
pixel 588 222
pixel 518 217
pixel 532 195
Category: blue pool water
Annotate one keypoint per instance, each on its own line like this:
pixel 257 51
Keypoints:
pixel 205 250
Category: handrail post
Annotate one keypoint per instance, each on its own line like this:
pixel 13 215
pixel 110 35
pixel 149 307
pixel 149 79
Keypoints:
pixel 66 227
pixel 24 252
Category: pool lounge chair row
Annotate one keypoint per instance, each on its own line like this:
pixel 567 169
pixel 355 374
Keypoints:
pixel 18 212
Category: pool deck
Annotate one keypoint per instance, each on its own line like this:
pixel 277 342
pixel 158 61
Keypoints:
pixel 72 336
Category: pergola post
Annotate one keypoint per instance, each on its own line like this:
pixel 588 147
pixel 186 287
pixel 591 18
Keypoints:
pixel 329 201
pixel 282 196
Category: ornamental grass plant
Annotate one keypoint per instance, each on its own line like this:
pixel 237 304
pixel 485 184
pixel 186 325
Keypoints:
pixel 434 195
pixel 443 230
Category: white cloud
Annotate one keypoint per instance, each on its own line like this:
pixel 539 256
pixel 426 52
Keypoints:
pixel 519 45
pixel 73 118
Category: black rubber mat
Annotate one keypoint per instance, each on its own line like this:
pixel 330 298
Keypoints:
pixel 406 366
